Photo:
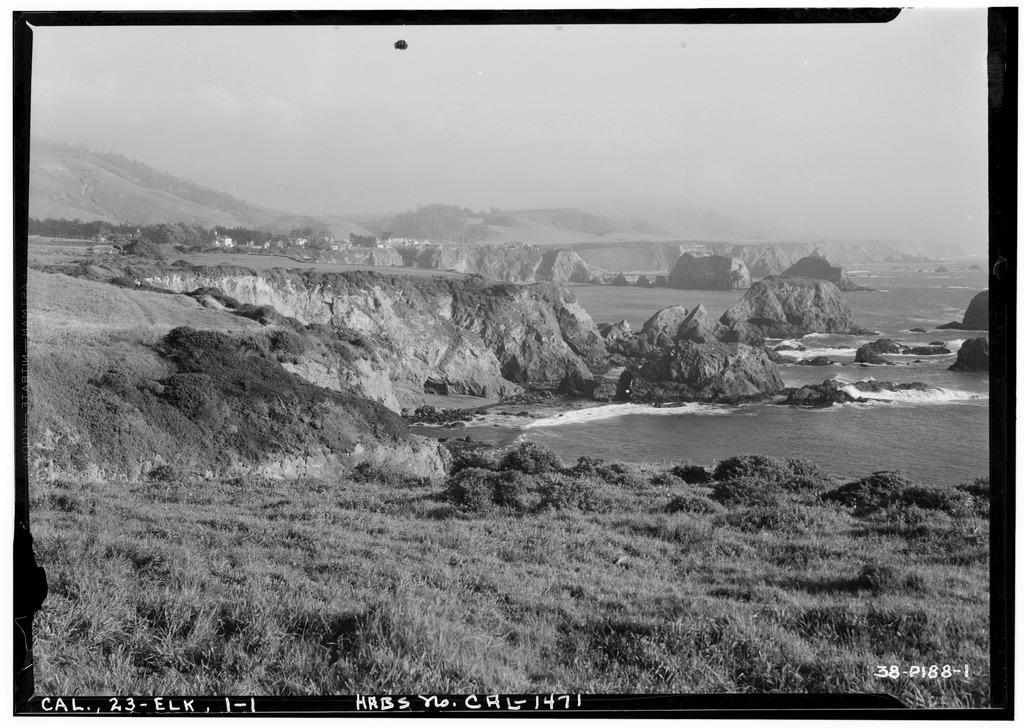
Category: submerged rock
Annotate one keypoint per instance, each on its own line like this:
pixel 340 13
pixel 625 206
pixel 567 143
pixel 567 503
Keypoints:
pixel 972 357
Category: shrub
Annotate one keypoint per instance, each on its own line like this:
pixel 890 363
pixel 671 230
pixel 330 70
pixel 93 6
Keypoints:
pixel 463 458
pixel 693 503
pixel 745 491
pixel 385 475
pixel 532 459
pixel 287 342
pixel 979 491
pixel 691 474
pixel 512 490
pixel 164 474
pixel 879 490
pixel 768 518
pixel 587 466
pixel 191 393
pixel 472 490
pixel 563 492
pixel 950 500
pixel 760 467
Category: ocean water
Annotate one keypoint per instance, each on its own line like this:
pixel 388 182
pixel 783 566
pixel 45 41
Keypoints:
pixel 940 436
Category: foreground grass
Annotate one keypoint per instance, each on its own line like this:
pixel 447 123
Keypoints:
pixel 377 584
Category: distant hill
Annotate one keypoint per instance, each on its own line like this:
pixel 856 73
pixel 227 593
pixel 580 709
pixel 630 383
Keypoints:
pixel 74 183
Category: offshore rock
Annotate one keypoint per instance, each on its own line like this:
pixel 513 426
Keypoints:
pixel 709 272
pixel 833 392
pixel 976 317
pixel 770 261
pixel 708 372
pixel 817 267
pixel 972 357
pixel 785 307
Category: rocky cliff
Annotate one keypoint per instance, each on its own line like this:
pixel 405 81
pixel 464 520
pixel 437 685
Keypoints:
pixel 430 334
pixel 120 385
pixel 709 272
pixel 783 307
pixel 512 263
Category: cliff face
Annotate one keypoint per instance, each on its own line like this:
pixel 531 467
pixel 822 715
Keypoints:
pixel 762 262
pixel 512 264
pixel 710 272
pixel 430 334
pixel 781 307
pixel 120 384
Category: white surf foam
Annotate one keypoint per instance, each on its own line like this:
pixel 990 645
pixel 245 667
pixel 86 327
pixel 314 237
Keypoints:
pixel 926 396
pixel 612 411
pixel 810 353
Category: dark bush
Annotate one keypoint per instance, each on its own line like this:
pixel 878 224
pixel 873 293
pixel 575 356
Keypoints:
pixel 532 459
pixel 288 342
pixel 761 467
pixel 691 474
pixel 463 458
pixel 693 503
pixel 191 393
pixel 164 474
pixel 979 491
pixel 567 493
pixel 879 490
pixel 744 492
pixel 952 501
pixel 512 490
pixel 587 466
pixel 472 490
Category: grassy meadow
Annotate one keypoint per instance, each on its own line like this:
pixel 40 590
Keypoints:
pixel 519 574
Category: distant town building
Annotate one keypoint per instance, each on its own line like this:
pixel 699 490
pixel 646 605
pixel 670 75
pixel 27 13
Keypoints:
pixel 222 241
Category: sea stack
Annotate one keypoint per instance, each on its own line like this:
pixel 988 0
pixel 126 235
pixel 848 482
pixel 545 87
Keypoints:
pixel 784 307
pixel 976 318
pixel 818 267
pixel 709 272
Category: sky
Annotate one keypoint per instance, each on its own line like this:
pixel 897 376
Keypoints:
pixel 844 131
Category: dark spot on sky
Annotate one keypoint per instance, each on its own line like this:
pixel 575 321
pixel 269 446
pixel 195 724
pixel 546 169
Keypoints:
pixel 558 27
pixel 401 45
pixel 682 45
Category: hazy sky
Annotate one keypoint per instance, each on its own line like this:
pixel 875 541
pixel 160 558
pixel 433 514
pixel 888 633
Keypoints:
pixel 850 131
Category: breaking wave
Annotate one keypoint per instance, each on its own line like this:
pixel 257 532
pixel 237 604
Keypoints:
pixel 932 395
pixel 612 411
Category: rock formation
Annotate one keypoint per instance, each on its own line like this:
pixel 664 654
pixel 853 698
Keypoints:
pixel 431 334
pixel 870 353
pixel 709 272
pixel 976 317
pixel 784 307
pixel 972 357
pixel 818 267
pixel 762 262
pixel 833 392
pixel 662 329
pixel 698 326
pixel 707 372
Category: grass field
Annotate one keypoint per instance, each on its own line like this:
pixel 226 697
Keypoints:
pixel 524 576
